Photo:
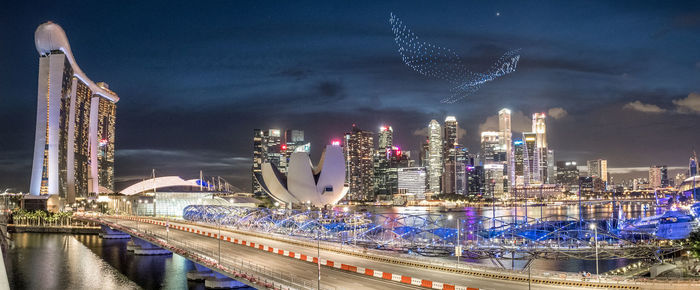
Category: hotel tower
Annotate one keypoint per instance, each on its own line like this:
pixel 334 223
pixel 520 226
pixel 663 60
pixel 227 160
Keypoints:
pixel 74 142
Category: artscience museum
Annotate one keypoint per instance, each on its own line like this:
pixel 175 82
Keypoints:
pixel 321 185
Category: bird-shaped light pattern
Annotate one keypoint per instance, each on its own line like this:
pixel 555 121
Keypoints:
pixel 443 63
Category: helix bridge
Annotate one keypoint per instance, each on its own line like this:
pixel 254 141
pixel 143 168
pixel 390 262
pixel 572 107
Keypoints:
pixel 436 234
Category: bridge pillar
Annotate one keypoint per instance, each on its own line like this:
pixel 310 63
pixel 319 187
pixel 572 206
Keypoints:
pixel 144 248
pixel 110 233
pixel 219 281
pixel 200 273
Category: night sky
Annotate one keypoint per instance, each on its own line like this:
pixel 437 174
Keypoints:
pixel 621 80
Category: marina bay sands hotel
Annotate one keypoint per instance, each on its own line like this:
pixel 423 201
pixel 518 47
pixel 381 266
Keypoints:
pixel 74 142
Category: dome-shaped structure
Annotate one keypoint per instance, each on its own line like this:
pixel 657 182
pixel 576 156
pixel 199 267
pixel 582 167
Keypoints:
pixel 320 186
pixel 163 182
pixel 689 183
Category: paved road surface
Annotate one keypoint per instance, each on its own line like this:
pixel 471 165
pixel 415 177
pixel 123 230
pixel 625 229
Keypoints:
pixel 337 278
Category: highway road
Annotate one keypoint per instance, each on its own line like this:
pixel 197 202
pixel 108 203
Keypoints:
pixel 330 277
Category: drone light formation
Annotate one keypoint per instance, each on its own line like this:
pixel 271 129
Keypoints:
pixel 445 64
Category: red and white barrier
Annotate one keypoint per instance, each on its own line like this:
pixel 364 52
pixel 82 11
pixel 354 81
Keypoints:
pixel 328 263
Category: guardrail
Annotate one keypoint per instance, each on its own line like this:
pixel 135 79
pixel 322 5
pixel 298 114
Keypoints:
pixel 545 277
pixel 236 268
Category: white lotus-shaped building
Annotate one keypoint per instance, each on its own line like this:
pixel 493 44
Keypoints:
pixel 304 184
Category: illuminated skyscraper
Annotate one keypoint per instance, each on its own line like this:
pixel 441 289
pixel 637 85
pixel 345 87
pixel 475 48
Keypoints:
pixel 519 161
pixel 293 142
pixel 490 147
pixel 505 139
pixel 567 174
pixel 434 165
pixel 267 147
pixel 551 170
pixel 450 143
pixel 598 169
pixel 386 137
pixel 693 165
pixel 411 180
pixel 382 158
pixel 74 141
pixel 540 129
pixel 531 159
pixel 494 160
pixel 359 149
pixel 658 176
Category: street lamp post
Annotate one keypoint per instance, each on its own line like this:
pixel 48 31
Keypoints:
pixel 318 250
pixel 458 247
pixel 595 228
pixel 219 241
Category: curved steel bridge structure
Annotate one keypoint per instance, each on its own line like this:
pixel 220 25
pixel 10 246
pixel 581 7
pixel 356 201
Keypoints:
pixel 504 237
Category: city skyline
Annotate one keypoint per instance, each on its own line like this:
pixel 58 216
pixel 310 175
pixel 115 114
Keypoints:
pixel 603 103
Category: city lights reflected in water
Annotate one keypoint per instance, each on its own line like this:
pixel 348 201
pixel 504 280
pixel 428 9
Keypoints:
pixel 60 261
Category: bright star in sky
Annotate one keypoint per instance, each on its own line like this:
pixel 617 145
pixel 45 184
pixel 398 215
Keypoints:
pixel 498 13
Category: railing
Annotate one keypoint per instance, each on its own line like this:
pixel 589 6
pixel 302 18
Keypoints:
pixel 58 223
pixel 243 268
pixel 431 263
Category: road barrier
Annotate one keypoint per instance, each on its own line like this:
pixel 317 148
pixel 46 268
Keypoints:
pixel 390 276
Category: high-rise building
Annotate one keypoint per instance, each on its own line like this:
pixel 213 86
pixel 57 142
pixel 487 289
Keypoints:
pixel 267 147
pixel 74 141
pixel 551 169
pixel 505 139
pixel 598 169
pixel 475 180
pixel 449 151
pixel 693 165
pixel 519 161
pixel 464 159
pixel 658 176
pixel 531 157
pixel 424 153
pixel 434 166
pixel 490 147
pixel 411 180
pixel 493 177
pixel 359 149
pixel 539 127
pixel 294 136
pixel 386 137
pixel 385 173
pixel 567 174
pixel 293 142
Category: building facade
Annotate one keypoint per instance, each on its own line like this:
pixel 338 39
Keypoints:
pixel 598 169
pixel 359 149
pixel 411 181
pixel 658 176
pixel 74 141
pixel 505 139
pixel 434 157
pixel 267 147
pixel 567 174
pixel 450 143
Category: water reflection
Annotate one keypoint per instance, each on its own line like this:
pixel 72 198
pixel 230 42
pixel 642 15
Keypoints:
pixel 57 261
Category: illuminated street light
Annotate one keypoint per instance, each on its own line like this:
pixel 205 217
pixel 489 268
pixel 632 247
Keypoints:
pixel 595 228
